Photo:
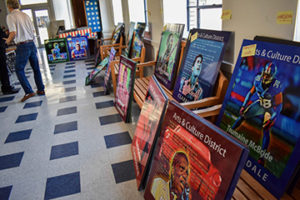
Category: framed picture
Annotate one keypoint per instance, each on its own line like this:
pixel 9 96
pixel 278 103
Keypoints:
pixel 126 51
pixel 147 130
pixel 261 109
pixel 193 159
pixel 168 54
pixel 104 63
pixel 200 64
pixel 78 48
pixel 118 32
pixel 108 71
pixel 138 43
pixel 56 50
pixel 124 92
pixel 93 16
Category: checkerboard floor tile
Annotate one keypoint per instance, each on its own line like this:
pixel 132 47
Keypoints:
pixel 63 185
pixel 70 89
pixel 67 111
pixel 68 98
pixel 32 104
pixel 26 118
pixel 2 109
pixel 4 99
pixel 5 192
pixel 11 160
pixel 65 148
pixel 18 136
pixel 104 104
pixel 69 82
pixel 117 139
pixel 70 76
pixel 65 127
pixel 109 119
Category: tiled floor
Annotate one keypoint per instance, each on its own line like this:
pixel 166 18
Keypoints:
pixel 69 144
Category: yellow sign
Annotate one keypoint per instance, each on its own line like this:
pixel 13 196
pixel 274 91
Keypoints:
pixel 249 50
pixel 226 15
pixel 285 17
pixel 165 28
pixel 194 37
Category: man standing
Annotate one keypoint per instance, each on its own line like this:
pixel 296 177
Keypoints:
pixel 22 31
pixel 5 84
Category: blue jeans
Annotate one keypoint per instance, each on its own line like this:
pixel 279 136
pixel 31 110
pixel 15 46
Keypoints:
pixel 24 53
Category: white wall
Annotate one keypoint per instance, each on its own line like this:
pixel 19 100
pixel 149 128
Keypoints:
pixel 61 12
pixel 125 9
pixel 106 17
pixel 155 17
pixel 257 17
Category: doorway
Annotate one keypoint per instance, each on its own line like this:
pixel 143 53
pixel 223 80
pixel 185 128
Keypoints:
pixel 40 19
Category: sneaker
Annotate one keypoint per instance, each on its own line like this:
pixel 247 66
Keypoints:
pixel 40 93
pixel 27 96
pixel 11 91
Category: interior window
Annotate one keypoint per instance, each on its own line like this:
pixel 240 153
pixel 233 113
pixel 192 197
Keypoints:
pixel 204 14
pixel 27 2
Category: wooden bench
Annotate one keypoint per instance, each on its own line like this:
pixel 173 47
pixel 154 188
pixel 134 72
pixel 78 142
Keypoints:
pixel 141 87
pixel 103 49
pixel 248 188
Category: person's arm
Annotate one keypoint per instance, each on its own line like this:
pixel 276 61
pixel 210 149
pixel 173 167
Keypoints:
pixel 11 36
pixel 12 29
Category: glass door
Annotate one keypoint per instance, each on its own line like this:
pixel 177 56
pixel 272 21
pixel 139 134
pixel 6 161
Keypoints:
pixel 40 19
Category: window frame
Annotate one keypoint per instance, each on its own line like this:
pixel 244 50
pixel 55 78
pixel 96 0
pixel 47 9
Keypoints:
pixel 198 7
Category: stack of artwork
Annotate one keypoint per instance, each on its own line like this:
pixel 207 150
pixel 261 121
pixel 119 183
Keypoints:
pixel 261 109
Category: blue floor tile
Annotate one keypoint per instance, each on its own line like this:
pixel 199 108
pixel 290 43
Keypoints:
pixel 69 76
pixel 69 82
pixel 32 104
pixel 110 119
pixel 70 67
pixel 123 171
pixel 64 150
pixel 70 71
pixel 117 139
pixel 89 64
pixel 52 65
pixel 65 127
pixel 26 118
pixel 63 185
pixel 67 99
pixel 5 192
pixel 70 63
pixel 98 94
pixel 11 160
pixel 67 111
pixel 28 72
pixel 95 85
pixel 90 68
pixel 4 99
pixel 18 136
pixel 104 104
pixel 70 89
pixel 2 109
